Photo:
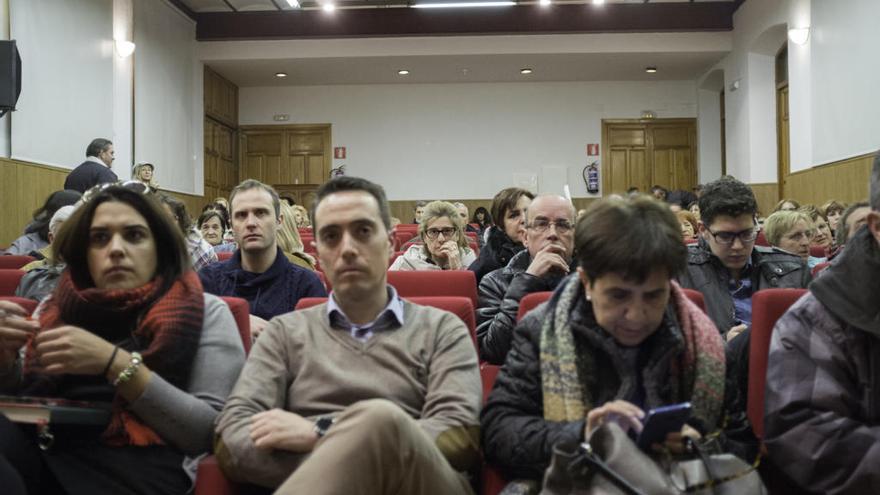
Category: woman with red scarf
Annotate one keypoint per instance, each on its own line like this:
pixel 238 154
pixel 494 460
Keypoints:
pixel 128 325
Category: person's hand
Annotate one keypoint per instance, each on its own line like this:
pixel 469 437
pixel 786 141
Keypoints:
pixel 551 257
pixel 284 430
pixel 257 326
pixel 734 331
pixel 625 414
pixel 71 350
pixel 449 252
pixel 15 330
pixel 675 441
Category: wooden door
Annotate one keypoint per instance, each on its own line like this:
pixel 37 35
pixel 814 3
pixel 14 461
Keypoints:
pixel 783 153
pixel 221 172
pixel 286 155
pixel 641 154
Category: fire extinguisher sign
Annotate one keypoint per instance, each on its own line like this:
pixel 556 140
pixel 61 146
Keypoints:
pixel 592 150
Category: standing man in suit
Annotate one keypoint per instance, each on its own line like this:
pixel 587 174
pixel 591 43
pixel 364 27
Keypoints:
pixel 96 169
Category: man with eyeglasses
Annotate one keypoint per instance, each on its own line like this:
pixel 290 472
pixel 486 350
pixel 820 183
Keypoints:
pixel 547 259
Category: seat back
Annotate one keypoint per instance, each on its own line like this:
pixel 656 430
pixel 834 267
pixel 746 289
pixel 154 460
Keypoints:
pixel 29 305
pixel 818 252
pixel 13 261
pixel 530 302
pixel 9 279
pixel 819 267
pixel 225 255
pixel 241 312
pixel 696 297
pixel 492 481
pixel 761 240
pixel 401 237
pixel 767 306
pixel 435 283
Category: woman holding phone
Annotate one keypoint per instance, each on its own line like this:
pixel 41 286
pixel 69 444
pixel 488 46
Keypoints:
pixel 128 324
pixel 617 338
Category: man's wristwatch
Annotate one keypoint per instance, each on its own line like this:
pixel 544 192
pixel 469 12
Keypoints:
pixel 323 424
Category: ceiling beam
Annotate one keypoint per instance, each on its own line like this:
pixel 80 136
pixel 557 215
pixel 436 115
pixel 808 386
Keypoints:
pixel 520 19
pixel 184 8
pixel 232 7
pixel 275 3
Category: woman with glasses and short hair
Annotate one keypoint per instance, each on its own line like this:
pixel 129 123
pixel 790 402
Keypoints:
pixel 793 232
pixel 444 245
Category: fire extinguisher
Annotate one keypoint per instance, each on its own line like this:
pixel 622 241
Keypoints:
pixel 591 177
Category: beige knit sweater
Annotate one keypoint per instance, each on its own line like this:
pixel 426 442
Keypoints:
pixel 428 367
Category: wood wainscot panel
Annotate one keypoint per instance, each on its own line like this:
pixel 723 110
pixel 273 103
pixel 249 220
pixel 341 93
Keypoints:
pixel 844 180
pixel 24 188
pixel 767 195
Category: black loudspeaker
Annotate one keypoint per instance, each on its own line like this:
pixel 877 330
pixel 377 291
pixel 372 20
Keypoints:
pixel 10 75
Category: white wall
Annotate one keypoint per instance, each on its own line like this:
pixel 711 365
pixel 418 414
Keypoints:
pixel 709 135
pixel 410 138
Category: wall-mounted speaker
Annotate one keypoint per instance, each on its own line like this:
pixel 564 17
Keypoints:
pixel 10 75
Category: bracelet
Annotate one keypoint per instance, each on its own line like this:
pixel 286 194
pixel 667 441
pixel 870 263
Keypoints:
pixel 112 357
pixel 126 374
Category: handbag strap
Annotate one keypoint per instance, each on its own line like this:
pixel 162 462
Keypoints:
pixel 593 461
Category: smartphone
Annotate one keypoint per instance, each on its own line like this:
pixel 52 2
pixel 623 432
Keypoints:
pixel 661 421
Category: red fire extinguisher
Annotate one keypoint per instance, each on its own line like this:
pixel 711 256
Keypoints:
pixel 591 177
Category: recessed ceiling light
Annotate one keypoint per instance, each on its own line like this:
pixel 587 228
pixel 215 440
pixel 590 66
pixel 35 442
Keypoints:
pixel 598 2
pixel 525 70
pixel 293 3
pixel 403 72
pixel 328 7
pixel 544 2
pixel 281 74
pixel 650 70
pixel 459 5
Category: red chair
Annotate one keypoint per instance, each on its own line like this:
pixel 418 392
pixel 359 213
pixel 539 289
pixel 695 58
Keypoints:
pixel 457 305
pixel 492 481
pixel 819 268
pixel 818 252
pixel 435 283
pixel 530 302
pixel 767 306
pixel 696 297
pixel 9 279
pixel 240 310
pixel 401 237
pixel 761 240
pixel 225 255
pixel 29 305
pixel 12 261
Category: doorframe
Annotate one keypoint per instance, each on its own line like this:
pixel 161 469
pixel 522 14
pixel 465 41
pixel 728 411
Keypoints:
pixel 783 167
pixel 648 144
pixel 245 130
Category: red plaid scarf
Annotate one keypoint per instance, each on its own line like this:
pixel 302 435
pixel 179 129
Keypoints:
pixel 164 328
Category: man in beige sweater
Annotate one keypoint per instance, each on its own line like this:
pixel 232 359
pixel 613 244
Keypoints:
pixel 366 394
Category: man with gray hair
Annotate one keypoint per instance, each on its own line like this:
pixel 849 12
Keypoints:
pixel 540 267
pixel 96 169
pixel 822 410
pixel 42 275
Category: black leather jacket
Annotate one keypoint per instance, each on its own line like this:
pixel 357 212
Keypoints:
pixel 500 293
pixel 497 252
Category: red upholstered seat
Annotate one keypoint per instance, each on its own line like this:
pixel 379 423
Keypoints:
pixel 767 306
pixel 761 240
pixel 696 297
pixel 9 279
pixel 818 268
pixel 435 283
pixel 401 237
pixel 225 255
pixel 530 302
pixel 14 261
pixel 29 305
pixel 457 305
pixel 818 252
pixel 240 310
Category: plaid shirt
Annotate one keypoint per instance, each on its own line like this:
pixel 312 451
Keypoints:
pixel 200 251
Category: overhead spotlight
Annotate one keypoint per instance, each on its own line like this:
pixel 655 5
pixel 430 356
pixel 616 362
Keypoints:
pixel 281 75
pixel 650 70
pixel 293 3
pixel 544 3
pixel 403 72
pixel 598 2
pixel 328 7
pixel 799 35
pixel 525 70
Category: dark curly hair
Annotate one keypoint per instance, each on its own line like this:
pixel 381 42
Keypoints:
pixel 726 196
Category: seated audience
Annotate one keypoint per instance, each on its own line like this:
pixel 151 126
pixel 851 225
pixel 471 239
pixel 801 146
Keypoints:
pixel 465 216
pixel 55 224
pixel 852 220
pixel 786 205
pixel 259 271
pixel 822 236
pixel 680 198
pixel 289 240
pixel 505 238
pixel 417 211
pixel 42 275
pixel 792 232
pixel 95 170
pixel 144 173
pixel 482 218
pixel 301 216
pixel 201 253
pixel 365 394
pixel 36 234
pixel 287 198
pixel 694 208
pixel 444 245
pixel 542 266
pixel 127 324
pixel 212 225
pixel 833 210
pixel 689 225
pixel 632 191
pixel 821 424
pixel 617 338
pixel 659 192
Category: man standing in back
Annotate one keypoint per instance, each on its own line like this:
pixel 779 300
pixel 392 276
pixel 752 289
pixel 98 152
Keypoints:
pixel 259 271
pixel 365 394
pixel 96 169
pixel 549 242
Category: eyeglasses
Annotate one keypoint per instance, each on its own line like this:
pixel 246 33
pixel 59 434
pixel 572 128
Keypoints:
pixel 542 224
pixel 433 233
pixel 727 238
pixel 804 234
